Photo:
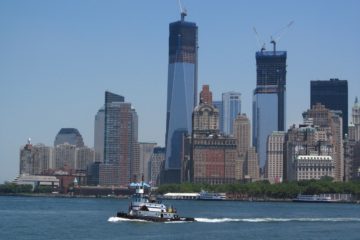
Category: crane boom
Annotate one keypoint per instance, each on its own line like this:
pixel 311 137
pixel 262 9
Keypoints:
pixel 279 34
pixel 261 43
pixel 183 11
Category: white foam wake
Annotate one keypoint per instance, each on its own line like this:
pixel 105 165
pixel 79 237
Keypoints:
pixel 257 220
pixel 119 219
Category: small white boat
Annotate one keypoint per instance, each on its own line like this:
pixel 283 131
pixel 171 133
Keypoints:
pixel 313 199
pixel 211 196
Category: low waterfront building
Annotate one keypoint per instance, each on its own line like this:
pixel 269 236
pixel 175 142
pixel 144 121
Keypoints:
pixel 37 181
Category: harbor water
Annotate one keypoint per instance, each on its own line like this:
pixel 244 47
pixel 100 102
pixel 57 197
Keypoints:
pixel 89 218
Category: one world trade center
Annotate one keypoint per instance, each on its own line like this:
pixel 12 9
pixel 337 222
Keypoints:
pixel 181 92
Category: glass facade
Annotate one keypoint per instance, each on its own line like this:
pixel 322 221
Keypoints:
pixel 269 98
pixel 219 106
pixel 182 88
pixel 231 108
pixel 333 94
pixel 265 122
pixel 69 135
pixel 99 133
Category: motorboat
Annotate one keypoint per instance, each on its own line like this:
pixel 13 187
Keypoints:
pixel 146 208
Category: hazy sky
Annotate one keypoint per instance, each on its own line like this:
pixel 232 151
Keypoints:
pixel 58 57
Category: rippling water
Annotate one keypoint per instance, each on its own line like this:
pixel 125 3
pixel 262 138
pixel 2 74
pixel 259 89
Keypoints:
pixel 70 218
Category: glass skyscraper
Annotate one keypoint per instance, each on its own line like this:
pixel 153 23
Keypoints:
pixel 219 106
pixel 182 88
pixel 231 107
pixel 333 94
pixel 113 103
pixel 99 132
pixel 269 98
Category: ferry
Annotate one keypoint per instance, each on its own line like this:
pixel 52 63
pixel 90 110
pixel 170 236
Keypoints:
pixel 144 208
pixel 211 196
pixel 313 199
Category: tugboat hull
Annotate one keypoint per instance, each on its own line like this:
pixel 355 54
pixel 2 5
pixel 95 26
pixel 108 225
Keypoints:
pixel 155 219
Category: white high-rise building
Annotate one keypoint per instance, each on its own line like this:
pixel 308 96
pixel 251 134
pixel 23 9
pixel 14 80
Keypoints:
pixel 84 157
pixel 65 155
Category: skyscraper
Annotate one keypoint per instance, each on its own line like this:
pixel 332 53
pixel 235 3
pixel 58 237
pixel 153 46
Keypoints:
pixel 213 157
pixel 64 155
pixel 156 162
pixel 71 136
pixel 242 134
pixel 269 98
pixel 248 161
pixel 113 104
pixel 219 106
pixel 146 150
pixel 333 94
pixel 330 122
pixel 231 108
pixel 275 157
pixel 120 139
pixel 84 158
pixel 99 133
pixel 182 90
pixel 356 119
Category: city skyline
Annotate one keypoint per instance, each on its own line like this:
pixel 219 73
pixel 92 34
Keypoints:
pixel 58 59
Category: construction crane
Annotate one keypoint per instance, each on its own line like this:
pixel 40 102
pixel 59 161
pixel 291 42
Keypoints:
pixel 183 11
pixel 261 43
pixel 279 34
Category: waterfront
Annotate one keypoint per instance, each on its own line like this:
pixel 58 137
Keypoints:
pixel 81 218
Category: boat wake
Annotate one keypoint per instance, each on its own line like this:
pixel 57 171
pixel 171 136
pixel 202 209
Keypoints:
pixel 250 220
pixel 119 219
pixel 260 220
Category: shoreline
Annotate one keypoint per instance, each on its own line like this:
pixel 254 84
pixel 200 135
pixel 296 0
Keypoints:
pixel 250 199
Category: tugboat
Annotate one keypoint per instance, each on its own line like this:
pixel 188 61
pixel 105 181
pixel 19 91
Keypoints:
pixel 144 208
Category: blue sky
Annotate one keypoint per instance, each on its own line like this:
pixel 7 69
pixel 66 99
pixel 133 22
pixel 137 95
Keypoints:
pixel 58 57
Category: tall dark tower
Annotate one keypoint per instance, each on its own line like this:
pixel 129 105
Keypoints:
pixel 181 92
pixel 269 98
pixel 333 94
